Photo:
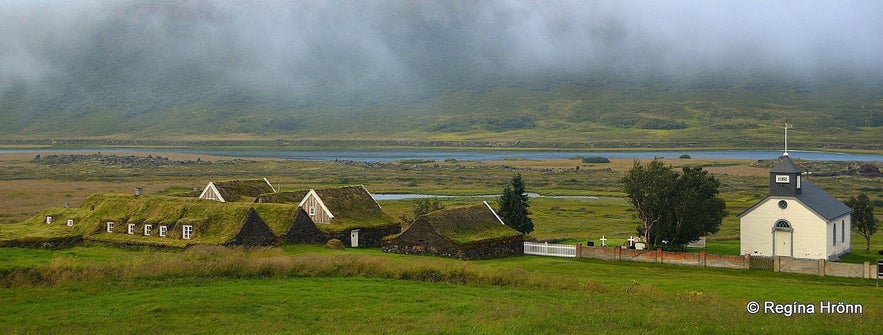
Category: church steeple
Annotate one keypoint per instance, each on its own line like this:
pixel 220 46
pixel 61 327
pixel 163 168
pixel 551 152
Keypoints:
pixel 785 176
pixel 786 138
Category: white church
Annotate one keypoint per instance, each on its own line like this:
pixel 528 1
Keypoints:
pixel 798 219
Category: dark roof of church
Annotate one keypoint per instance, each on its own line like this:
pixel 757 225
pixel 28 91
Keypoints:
pixel 816 199
pixel 821 202
pixel 786 165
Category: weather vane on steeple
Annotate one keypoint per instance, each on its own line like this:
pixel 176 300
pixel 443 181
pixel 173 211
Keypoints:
pixel 787 126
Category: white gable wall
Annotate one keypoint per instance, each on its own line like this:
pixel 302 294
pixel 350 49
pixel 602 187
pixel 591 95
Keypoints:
pixel 211 192
pixel 812 235
pixel 315 207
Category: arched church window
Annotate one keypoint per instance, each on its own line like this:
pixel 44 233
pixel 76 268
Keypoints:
pixel 782 224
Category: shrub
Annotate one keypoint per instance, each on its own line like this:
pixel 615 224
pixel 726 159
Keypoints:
pixel 334 244
pixel 595 160
pixel 685 156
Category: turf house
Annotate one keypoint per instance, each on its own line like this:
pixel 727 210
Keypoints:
pixel 467 233
pixel 155 221
pixel 236 190
pixel 348 214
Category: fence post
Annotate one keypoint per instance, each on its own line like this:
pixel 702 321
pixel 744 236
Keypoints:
pixel 777 263
pixel 747 261
pixel 821 267
pixel 658 255
pixel 579 251
pixel 702 258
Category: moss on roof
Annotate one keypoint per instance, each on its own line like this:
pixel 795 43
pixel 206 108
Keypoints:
pixel 467 225
pixel 352 207
pixel 242 190
pixel 214 222
pixel 282 197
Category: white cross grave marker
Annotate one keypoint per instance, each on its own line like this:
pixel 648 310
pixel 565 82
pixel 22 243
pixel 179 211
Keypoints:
pixel 603 241
pixel 631 241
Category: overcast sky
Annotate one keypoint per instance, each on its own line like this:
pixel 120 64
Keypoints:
pixel 403 45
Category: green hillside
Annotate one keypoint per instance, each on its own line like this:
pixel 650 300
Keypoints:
pixel 591 113
pixel 436 73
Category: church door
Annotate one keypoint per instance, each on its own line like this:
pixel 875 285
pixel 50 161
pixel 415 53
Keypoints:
pixel 783 238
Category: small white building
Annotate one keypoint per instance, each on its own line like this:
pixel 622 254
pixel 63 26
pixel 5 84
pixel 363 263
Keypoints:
pixel 798 219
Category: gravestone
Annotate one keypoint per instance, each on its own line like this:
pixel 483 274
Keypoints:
pixel 700 243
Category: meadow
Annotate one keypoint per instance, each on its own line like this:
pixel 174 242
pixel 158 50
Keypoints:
pixel 309 289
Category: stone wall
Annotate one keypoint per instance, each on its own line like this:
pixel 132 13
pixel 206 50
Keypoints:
pixel 480 250
pixel 368 237
pixel 702 259
pixel 824 268
pixel 725 261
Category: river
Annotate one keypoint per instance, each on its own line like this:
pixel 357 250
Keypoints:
pixel 389 155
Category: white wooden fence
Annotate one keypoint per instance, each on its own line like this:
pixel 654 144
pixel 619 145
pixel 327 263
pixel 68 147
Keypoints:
pixel 546 249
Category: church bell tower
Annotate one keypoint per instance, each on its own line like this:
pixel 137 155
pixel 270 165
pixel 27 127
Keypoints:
pixel 785 176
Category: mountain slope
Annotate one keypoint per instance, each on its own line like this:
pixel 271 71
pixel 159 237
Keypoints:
pixel 433 71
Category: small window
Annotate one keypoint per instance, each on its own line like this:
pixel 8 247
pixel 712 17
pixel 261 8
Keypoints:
pixel 843 231
pixel 109 226
pixel 835 234
pixel 163 230
pixel 131 229
pixel 186 232
pixel 48 219
pixel 147 229
pixel 70 222
pixel 312 210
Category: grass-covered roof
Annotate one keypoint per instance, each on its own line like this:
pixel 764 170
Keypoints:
pixel 352 207
pixel 243 190
pixel 467 224
pixel 214 222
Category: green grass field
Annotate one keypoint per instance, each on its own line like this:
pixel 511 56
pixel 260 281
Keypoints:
pixel 309 289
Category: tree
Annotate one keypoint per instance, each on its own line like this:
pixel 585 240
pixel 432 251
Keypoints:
pixel 513 206
pixel 863 220
pixel 423 206
pixel 698 211
pixel 674 208
pixel 647 188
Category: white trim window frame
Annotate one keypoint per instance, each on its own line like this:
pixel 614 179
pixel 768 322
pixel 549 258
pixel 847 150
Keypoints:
pixel 109 226
pixel 163 230
pixel 187 231
pixel 147 229
pixel 130 229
